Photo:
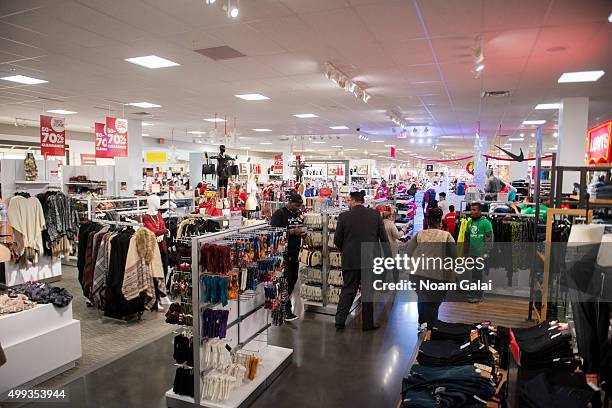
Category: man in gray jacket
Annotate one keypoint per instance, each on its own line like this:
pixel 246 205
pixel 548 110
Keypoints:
pixel 356 227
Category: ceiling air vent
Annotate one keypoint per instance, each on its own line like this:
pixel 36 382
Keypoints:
pixel 44 98
pixel 220 53
pixel 141 113
pixel 495 94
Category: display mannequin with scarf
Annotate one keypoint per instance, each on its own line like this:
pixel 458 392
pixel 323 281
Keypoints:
pixel 154 222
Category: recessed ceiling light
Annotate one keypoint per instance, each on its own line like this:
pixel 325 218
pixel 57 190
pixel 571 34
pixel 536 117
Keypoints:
pixel 581 76
pixel 556 134
pixel 305 115
pixel 337 146
pixel 399 149
pixel 428 140
pixel 147 124
pixel 350 150
pixel 508 144
pixel 152 61
pixel 196 132
pixel 265 143
pixel 62 111
pixel 252 97
pixel 534 122
pixel 420 141
pixel 542 106
pixel 522 135
pixel 318 142
pixel 262 130
pixel 146 134
pixel 22 79
pixel 215 120
pixel 516 139
pixel 144 105
pixel 389 145
pixel 377 141
pixel 610 18
pixel 552 148
pixel 339 127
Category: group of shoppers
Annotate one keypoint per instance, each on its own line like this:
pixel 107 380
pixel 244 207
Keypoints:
pixel 363 233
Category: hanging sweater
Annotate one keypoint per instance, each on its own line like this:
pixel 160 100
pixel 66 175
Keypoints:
pixel 26 216
pixel 143 263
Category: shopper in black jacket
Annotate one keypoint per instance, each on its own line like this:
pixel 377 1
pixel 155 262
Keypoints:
pixel 291 218
pixel 359 229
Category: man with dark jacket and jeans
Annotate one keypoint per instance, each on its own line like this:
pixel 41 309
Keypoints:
pixel 359 229
pixel 291 218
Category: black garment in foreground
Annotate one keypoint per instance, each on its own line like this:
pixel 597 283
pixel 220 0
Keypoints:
pixel 556 389
pixel 352 280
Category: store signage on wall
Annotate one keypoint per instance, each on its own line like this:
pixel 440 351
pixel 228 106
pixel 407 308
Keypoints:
pixel 278 164
pixel 156 157
pixel 117 133
pixel 52 136
pixel 88 159
pixel 598 143
pixel 101 141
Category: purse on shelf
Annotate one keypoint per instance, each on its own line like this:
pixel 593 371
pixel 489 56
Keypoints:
pixel 313 239
pixel 332 222
pixel 335 259
pixel 313 220
pixel 310 257
pixel 330 241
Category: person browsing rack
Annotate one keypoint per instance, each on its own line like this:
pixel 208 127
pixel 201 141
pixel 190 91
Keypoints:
pixel 291 217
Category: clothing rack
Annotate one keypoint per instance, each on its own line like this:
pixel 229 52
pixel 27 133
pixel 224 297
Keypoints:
pixel 541 314
pixel 275 358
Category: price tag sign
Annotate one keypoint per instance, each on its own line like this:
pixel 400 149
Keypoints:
pixel 117 136
pixel 101 141
pixel 52 136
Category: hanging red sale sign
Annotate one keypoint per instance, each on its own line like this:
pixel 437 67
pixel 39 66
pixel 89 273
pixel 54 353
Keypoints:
pixel 117 134
pixel 392 153
pixel 101 141
pixel 52 136
pixel 278 164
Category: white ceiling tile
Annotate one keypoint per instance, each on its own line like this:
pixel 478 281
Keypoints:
pixel 300 6
pixel 450 19
pixel 502 15
pixel 391 22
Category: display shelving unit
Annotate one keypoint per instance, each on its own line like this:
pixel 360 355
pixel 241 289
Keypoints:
pixel 247 327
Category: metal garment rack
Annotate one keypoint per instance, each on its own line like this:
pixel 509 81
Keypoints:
pixel 197 308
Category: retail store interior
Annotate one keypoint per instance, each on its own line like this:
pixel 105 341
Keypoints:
pixel 194 196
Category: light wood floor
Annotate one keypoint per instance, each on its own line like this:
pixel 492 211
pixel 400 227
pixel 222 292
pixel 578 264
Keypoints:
pixel 503 311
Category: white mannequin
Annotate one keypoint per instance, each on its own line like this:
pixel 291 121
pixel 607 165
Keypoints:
pixel 153 205
pixel 251 203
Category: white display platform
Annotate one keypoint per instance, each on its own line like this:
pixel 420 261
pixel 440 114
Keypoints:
pixel 274 360
pixel 45 269
pixel 38 343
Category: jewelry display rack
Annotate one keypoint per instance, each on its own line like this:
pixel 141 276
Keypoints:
pixel 247 327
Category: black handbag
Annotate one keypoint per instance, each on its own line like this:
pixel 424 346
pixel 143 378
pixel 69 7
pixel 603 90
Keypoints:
pixel 207 168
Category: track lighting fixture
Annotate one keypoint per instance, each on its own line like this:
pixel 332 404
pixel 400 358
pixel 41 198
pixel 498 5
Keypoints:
pixel 479 58
pixel 343 81
pixel 209 2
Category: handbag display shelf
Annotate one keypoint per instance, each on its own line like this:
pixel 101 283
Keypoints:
pixel 320 291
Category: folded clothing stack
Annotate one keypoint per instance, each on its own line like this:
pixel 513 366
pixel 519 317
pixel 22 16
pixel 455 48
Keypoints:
pixel 459 386
pixel 451 331
pixel 441 353
pixel 556 389
pixel 43 293
pixel 546 346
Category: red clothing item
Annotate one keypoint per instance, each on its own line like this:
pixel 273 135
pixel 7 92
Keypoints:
pixel 156 224
pixel 450 221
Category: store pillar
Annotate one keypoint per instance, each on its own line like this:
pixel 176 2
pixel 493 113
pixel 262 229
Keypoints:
pixel 573 126
pixel 519 170
pixel 128 169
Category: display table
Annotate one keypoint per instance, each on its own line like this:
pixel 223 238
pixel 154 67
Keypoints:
pixel 47 269
pixel 39 343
